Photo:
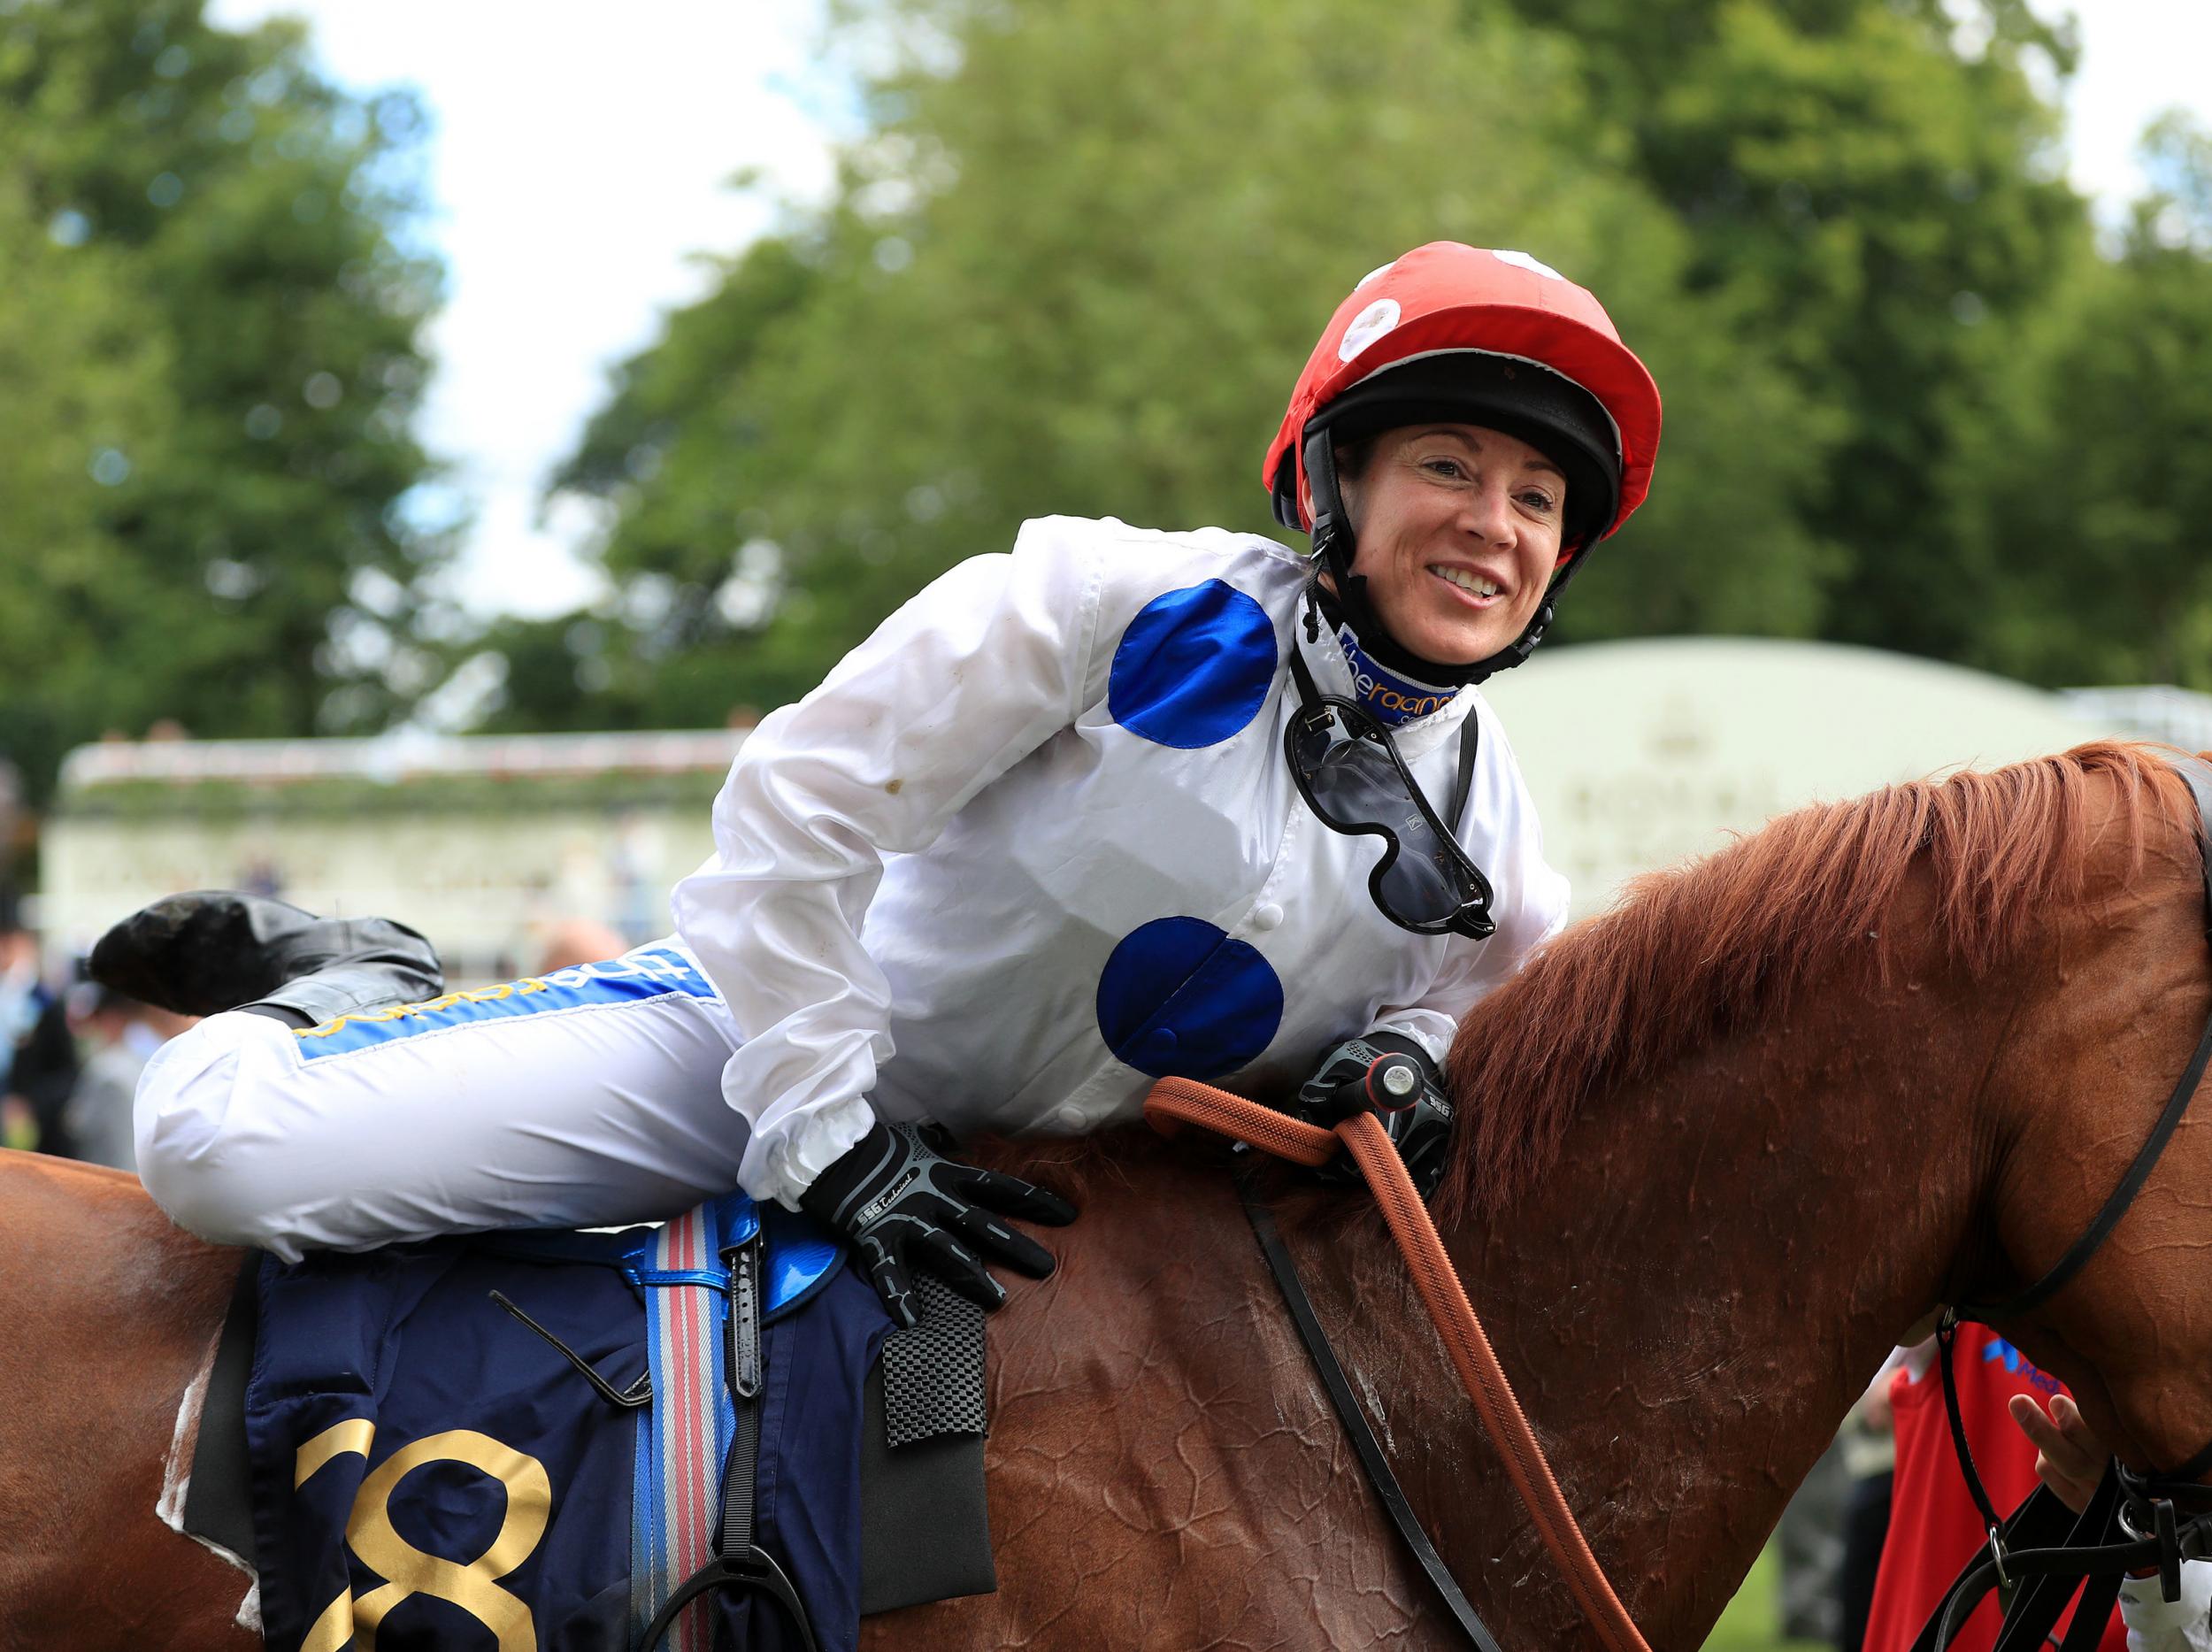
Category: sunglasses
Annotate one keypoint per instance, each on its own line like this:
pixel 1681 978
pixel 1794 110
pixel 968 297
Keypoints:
pixel 1347 767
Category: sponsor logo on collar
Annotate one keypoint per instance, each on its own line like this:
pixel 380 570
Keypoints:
pixel 1392 699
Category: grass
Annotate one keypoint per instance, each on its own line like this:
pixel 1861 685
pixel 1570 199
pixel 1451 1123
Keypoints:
pixel 1749 1622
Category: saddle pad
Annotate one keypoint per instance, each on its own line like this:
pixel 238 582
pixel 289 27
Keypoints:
pixel 924 1533
pixel 216 1504
pixel 426 1467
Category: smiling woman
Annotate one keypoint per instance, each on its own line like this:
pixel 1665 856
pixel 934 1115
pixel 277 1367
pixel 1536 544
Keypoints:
pixel 1458 531
pixel 1470 422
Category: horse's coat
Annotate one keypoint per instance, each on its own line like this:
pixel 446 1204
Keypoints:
pixel 1798 1147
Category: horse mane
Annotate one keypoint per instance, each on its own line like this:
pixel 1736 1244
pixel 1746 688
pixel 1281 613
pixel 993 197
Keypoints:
pixel 1687 955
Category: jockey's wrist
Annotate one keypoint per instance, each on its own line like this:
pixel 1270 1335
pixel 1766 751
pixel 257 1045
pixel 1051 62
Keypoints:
pixel 844 1176
pixel 1397 1043
pixel 785 1161
pixel 1391 1075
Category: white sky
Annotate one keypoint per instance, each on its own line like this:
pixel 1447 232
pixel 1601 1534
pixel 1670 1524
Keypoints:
pixel 581 157
pixel 580 154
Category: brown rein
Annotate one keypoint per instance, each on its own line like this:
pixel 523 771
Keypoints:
pixel 1177 1102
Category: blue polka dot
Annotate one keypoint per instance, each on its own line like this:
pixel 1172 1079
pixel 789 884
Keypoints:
pixel 1193 667
pixel 1179 998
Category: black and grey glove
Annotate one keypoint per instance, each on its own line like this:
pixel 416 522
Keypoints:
pixel 904 1203
pixel 1392 1077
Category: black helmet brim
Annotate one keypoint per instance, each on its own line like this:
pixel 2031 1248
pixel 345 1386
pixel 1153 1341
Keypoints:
pixel 1524 399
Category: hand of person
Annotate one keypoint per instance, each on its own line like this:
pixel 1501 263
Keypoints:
pixel 1876 1416
pixel 1391 1076
pixel 905 1204
pixel 2069 1458
pixel 19 1123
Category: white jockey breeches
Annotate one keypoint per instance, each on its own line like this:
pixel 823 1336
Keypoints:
pixel 584 1097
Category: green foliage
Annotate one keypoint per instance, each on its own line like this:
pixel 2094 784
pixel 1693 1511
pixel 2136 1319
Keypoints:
pixel 1076 271
pixel 1075 262
pixel 86 388
pixel 2080 488
pixel 210 349
pixel 1877 185
pixel 1071 265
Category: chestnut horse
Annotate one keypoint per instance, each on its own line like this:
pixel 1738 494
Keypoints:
pixel 1721 1147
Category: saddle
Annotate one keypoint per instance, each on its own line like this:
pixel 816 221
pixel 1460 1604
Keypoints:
pixel 764 1446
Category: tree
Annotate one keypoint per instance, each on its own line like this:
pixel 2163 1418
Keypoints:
pixel 214 526
pixel 87 387
pixel 2080 488
pixel 1875 183
pixel 1074 266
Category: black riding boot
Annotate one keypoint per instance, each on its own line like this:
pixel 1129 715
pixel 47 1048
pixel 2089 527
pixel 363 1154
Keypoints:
pixel 217 950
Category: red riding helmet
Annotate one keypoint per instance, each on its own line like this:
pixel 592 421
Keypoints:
pixel 1465 334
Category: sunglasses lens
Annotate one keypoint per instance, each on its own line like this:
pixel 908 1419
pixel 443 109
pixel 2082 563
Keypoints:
pixel 1422 887
pixel 1354 785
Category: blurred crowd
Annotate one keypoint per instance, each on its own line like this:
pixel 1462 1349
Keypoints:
pixel 71 1052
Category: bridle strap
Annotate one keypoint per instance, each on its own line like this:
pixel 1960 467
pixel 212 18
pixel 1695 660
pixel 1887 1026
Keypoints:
pixel 2041 1550
pixel 2019 1558
pixel 2090 1550
pixel 2039 1598
pixel 2198 774
pixel 2044 1552
pixel 1356 1428
pixel 1176 1102
pixel 2076 1258
pixel 1947 1339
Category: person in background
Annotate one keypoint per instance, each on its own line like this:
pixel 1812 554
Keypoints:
pixel 2071 1460
pixel 123 1034
pixel 571 942
pixel 1935 1529
pixel 38 1056
pixel 1808 1551
pixel 1870 1458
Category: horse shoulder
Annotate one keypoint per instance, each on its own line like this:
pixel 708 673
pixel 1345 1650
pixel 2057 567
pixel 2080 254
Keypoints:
pixel 108 1318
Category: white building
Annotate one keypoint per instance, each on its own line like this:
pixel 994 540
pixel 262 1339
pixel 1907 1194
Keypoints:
pixel 1642 754
pixel 482 842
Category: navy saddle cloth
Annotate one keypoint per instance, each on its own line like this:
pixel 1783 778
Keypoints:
pixel 424 1465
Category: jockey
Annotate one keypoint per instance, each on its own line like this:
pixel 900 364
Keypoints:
pixel 1117 804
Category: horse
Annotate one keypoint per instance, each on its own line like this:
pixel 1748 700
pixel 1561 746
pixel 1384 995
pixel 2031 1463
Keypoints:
pixel 1719 1149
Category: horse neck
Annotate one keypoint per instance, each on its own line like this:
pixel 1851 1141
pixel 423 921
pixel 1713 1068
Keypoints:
pixel 1695 1295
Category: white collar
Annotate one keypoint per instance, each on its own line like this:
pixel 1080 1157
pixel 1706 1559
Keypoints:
pixel 1331 672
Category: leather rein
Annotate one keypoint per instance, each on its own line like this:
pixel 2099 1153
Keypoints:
pixel 2144 1510
pixel 1177 1102
pixel 2040 1554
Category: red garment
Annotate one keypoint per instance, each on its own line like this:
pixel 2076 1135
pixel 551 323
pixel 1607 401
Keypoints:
pixel 1934 1528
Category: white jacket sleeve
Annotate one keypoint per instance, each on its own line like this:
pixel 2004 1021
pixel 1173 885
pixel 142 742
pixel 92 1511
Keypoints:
pixel 2155 1626
pixel 979 669
pixel 1473 969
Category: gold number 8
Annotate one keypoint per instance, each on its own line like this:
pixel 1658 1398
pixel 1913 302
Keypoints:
pixel 474 1587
